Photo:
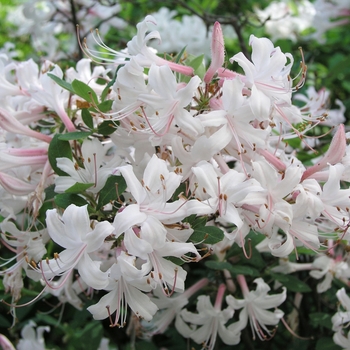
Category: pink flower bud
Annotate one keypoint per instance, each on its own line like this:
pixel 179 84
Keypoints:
pixel 334 154
pixel 217 52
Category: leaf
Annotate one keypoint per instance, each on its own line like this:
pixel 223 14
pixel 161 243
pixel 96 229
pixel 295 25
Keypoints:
pixel 91 334
pixel 58 149
pixel 207 234
pixel 218 265
pixel 144 345
pixel 234 269
pixel 63 200
pixel 85 91
pixel 75 135
pixel 292 283
pixel 196 221
pixel 87 118
pixel 244 270
pixel 327 344
pixel 109 85
pixel 321 319
pixel 61 83
pixel 78 187
pixel 105 106
pixel 107 127
pixel 198 66
pixel 109 191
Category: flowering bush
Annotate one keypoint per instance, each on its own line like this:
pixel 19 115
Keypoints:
pixel 163 194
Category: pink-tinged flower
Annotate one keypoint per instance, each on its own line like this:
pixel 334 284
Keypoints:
pixel 224 193
pixel 170 100
pixel 93 171
pixel 267 76
pixel 217 52
pixel 204 148
pixel 11 124
pixel 29 247
pixel 73 231
pixel 83 73
pixel 211 322
pixel 15 186
pixel 5 343
pixel 170 307
pixel 329 268
pixel 51 95
pixel 137 48
pixel 334 154
pixel 335 199
pixel 126 286
pixel 254 308
pixel 145 235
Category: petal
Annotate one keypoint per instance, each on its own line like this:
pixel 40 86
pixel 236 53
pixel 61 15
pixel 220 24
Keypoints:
pixel 99 310
pixel 130 216
pixel 227 336
pixel 58 233
pixel 96 237
pixel 140 303
pixel 91 274
pixel 134 185
pixel 77 222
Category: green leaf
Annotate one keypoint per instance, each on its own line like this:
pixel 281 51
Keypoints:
pixel 63 200
pixel 109 191
pixel 49 320
pixel 4 323
pixel 75 135
pixel 179 55
pixel 234 269
pixel 196 221
pixel 244 270
pixel 107 127
pixel 218 265
pixel 85 91
pixel 109 85
pixel 320 319
pixel 88 338
pixel 61 83
pixel 207 234
pixel 78 187
pixel 144 345
pixel 87 118
pixel 58 149
pixel 198 65
pixel 105 106
pixel 292 283
pixel 327 344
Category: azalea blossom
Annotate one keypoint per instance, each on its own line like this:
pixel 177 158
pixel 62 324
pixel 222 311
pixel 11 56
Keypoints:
pixel 126 284
pixel 32 339
pixel 72 231
pixel 254 308
pixel 211 322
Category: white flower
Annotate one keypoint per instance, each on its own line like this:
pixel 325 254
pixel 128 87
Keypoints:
pixel 254 308
pixel 329 268
pixel 341 318
pixel 93 170
pixel 126 284
pixel 32 340
pixel 211 321
pixel 73 232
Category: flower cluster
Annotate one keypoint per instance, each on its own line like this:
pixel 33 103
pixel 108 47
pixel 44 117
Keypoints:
pixel 110 184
